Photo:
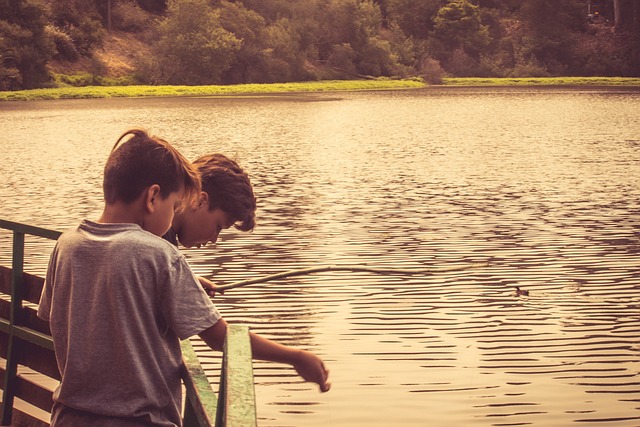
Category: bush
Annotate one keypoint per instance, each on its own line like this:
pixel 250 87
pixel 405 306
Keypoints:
pixel 431 71
pixel 148 70
pixel 75 80
pixel 88 79
pixel 461 64
pixel 66 49
pixel 128 16
pixel 10 77
pixel 87 36
pixel 530 68
pixel 342 57
pixel 376 58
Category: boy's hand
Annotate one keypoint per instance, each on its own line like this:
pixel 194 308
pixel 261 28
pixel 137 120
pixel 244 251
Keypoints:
pixel 310 368
pixel 209 287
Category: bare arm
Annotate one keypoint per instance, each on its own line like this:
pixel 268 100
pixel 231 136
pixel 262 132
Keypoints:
pixel 209 287
pixel 308 365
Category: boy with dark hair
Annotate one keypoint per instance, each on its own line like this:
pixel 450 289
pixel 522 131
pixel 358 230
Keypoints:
pixel 226 200
pixel 119 299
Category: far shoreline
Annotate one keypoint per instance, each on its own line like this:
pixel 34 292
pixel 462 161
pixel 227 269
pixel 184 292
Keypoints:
pixel 88 92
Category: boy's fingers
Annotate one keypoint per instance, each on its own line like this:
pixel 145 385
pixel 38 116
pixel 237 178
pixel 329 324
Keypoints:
pixel 325 387
pixel 212 290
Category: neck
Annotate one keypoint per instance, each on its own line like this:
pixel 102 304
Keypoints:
pixel 121 213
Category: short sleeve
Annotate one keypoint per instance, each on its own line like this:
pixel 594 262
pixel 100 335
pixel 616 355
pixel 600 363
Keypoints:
pixel 186 307
pixel 44 306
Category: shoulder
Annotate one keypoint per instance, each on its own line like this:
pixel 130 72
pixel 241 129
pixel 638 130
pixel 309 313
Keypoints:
pixel 152 244
pixel 128 238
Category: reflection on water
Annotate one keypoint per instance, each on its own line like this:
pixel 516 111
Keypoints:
pixel 544 182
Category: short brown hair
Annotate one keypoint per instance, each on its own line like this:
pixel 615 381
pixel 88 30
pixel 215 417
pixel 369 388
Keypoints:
pixel 143 160
pixel 229 189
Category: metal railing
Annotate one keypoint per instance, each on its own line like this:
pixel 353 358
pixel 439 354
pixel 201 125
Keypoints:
pixel 234 405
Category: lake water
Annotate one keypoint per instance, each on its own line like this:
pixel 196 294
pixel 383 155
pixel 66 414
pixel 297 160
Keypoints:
pixel 543 182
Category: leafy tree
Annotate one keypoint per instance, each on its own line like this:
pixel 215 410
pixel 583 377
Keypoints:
pixel 551 28
pixel 193 47
pixel 80 20
pixel 25 46
pixel 457 26
pixel 10 77
pixel 284 57
pixel 272 10
pixel 153 6
pixel 377 58
pixel 415 18
pixel 357 23
pixel 269 52
pixel 249 28
pixel 626 15
pixel 505 5
pixel 127 15
pixel 375 54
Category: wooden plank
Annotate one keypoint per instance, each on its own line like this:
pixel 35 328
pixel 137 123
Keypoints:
pixel 31 285
pixel 29 319
pixel 5 280
pixel 34 357
pixel 237 386
pixel 24 416
pixel 35 389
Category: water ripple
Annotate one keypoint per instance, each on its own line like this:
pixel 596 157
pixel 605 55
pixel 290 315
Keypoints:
pixel 439 177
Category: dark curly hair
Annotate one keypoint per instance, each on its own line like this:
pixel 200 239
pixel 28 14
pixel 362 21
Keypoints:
pixel 229 189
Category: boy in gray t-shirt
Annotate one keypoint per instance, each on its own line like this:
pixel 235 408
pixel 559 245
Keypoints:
pixel 119 298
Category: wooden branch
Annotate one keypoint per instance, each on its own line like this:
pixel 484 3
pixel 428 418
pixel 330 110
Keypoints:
pixel 352 268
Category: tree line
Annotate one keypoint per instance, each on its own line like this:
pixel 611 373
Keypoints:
pixel 224 42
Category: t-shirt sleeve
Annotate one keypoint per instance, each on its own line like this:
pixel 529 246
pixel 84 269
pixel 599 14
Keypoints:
pixel 44 306
pixel 187 308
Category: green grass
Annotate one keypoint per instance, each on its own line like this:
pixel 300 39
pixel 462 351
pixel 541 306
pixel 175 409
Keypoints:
pixel 316 86
pixel 543 81
pixel 214 90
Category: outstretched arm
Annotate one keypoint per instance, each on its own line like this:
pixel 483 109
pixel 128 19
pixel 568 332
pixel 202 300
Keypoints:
pixel 309 366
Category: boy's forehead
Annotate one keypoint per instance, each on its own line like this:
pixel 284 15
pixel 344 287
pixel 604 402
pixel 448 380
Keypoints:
pixel 227 219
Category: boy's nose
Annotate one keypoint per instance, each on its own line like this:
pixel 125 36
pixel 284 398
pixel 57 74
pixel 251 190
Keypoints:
pixel 214 238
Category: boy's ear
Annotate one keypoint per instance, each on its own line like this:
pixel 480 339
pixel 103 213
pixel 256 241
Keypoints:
pixel 204 199
pixel 152 196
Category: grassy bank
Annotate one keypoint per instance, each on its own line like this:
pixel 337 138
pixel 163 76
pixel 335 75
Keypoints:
pixel 321 86
pixel 243 89
pixel 543 81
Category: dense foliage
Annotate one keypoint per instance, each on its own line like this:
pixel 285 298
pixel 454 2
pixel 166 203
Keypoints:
pixel 25 48
pixel 246 41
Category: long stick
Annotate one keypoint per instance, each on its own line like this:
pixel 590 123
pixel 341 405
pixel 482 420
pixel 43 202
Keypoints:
pixel 386 271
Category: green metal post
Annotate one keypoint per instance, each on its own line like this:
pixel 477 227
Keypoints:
pixel 236 394
pixel 17 266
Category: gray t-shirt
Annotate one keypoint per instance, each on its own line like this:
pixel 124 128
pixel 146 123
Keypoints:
pixel 118 300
